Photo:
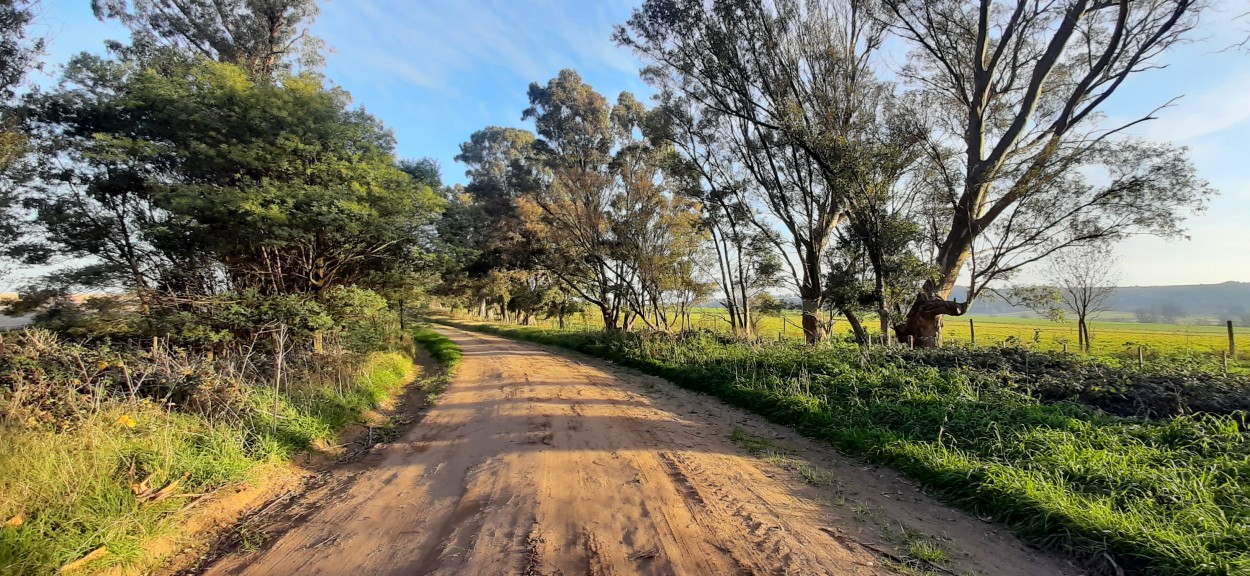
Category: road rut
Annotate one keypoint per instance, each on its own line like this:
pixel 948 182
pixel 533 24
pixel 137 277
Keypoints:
pixel 534 462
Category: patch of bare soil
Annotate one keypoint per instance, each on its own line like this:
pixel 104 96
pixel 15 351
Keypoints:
pixel 534 462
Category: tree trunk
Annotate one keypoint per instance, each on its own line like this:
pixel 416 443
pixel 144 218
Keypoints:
pixel 856 327
pixel 923 323
pixel 812 295
pixel 811 319
pixel 1082 334
pixel 611 322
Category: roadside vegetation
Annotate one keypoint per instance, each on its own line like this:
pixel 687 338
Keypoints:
pixel 101 443
pixel 226 246
pixel 446 352
pixel 1080 465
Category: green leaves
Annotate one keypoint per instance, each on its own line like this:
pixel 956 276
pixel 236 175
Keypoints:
pixel 275 182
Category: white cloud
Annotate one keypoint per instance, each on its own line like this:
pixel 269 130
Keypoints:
pixel 438 45
pixel 1207 112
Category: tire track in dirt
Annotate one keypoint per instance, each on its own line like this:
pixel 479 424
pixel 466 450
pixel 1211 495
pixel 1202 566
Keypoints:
pixel 539 463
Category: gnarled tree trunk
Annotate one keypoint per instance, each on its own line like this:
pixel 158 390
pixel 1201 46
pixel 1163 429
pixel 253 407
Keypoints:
pixel 923 325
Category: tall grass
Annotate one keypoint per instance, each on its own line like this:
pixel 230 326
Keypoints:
pixel 71 484
pixel 1166 496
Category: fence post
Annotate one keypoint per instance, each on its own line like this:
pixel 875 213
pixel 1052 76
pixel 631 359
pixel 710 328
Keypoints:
pixel 972 329
pixel 1141 358
pixel 911 342
pixel 1232 344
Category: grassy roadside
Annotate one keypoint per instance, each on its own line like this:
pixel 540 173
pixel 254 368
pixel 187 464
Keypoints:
pixel 1168 496
pixel 101 488
pixel 440 347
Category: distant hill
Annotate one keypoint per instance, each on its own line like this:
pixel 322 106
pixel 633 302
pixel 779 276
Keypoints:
pixel 1226 300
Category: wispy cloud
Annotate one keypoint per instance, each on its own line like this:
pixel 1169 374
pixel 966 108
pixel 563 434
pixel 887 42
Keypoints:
pixel 457 46
pixel 1210 110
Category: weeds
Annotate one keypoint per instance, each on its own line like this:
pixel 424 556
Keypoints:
pixel 79 460
pixel 926 551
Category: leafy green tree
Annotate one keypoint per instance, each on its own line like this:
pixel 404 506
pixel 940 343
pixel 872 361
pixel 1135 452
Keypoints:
pixel 207 180
pixel 874 266
pixel 788 87
pixel 616 235
pixel 19 54
pixel 486 235
pixel 1017 90
pixel 263 37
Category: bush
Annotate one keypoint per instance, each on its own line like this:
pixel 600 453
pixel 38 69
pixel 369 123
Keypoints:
pixel 355 318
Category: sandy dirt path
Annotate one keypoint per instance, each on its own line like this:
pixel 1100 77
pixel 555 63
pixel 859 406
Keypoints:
pixel 536 462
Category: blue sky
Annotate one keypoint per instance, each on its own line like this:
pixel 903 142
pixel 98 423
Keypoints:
pixel 436 70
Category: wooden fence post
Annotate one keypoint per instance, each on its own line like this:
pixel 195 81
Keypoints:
pixel 972 329
pixel 1232 344
pixel 1141 358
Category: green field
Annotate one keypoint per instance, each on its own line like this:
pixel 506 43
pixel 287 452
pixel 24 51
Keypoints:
pixel 1109 338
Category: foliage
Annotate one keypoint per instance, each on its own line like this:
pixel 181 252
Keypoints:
pixel 81 424
pixel 262 37
pixel 1022 163
pixel 165 176
pixel 1162 496
pixel 1161 390
pixel 354 318
pixel 362 315
pixel 581 211
pixel 19 54
pixel 786 92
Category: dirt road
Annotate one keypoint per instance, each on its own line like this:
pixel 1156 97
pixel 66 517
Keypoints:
pixel 536 462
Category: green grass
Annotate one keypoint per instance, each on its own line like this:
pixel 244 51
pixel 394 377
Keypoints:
pixel 1168 496
pixel 1117 340
pixel 73 486
pixel 927 551
pixel 442 349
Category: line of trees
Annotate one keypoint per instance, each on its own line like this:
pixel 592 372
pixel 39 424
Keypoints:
pixel 783 152
pixel 585 210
